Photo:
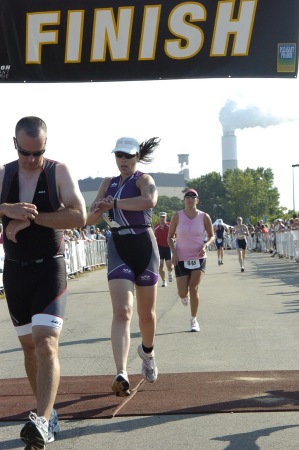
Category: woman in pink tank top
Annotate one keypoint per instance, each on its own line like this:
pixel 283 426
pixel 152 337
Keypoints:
pixel 190 234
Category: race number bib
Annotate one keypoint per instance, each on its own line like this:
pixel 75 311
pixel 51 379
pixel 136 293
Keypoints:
pixel 192 264
pixel 219 241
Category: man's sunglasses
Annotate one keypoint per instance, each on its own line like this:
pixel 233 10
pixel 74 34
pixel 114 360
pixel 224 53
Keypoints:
pixel 124 155
pixel 25 153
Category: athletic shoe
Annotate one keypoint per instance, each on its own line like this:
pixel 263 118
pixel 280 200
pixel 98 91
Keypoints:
pixel 185 300
pixel 121 385
pixel 164 284
pixel 219 263
pixel 194 325
pixel 35 432
pixel 54 426
pixel 149 369
pixel 170 277
pixel 242 269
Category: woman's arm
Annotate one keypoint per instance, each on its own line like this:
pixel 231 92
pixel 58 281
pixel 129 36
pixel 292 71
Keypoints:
pixel 96 211
pixel 146 200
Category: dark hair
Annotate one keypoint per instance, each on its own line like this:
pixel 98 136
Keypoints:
pixel 31 125
pixel 147 148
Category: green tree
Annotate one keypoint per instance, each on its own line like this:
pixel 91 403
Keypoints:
pixel 249 193
pixel 167 204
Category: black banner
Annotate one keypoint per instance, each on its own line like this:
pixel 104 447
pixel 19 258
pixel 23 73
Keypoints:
pixel 98 40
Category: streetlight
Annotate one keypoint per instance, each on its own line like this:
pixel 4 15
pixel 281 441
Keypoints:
pixel 294 165
pixel 256 185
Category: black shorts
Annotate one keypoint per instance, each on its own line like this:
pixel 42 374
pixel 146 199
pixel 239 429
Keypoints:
pixel 134 257
pixel 36 288
pixel 219 244
pixel 241 243
pixel 164 253
pixel 181 270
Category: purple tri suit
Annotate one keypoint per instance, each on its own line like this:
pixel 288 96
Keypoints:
pixel 132 249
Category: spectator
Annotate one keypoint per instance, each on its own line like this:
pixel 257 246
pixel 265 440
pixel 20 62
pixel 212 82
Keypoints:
pixel 100 235
pixel 92 233
pixel 84 236
pixel 107 234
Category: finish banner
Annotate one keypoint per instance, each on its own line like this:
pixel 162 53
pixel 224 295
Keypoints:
pixel 116 40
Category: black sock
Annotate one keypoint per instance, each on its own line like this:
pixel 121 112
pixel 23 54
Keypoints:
pixel 147 349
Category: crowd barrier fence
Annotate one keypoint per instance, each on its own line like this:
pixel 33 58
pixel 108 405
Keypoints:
pixel 80 255
pixel 84 255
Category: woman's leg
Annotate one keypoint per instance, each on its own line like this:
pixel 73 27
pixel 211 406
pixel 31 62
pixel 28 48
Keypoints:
pixel 146 307
pixel 240 256
pixel 194 280
pixel 122 295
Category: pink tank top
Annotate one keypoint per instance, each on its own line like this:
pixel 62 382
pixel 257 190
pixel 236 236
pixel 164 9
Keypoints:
pixel 190 235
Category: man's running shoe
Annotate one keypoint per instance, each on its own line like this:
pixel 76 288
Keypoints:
pixel 242 269
pixel 54 426
pixel 185 300
pixel 170 277
pixel 164 284
pixel 121 385
pixel 149 369
pixel 35 432
pixel 194 325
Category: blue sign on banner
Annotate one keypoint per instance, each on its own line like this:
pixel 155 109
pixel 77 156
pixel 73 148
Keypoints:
pixel 286 58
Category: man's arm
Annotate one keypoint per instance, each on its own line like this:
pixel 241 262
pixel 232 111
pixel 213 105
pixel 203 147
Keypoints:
pixel 73 211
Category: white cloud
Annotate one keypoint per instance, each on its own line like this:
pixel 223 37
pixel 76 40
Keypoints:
pixel 84 121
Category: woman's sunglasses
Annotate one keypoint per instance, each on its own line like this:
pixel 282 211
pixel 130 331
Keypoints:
pixel 190 196
pixel 124 155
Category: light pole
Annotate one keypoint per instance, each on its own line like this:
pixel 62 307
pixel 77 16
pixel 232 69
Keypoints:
pixel 294 165
pixel 256 185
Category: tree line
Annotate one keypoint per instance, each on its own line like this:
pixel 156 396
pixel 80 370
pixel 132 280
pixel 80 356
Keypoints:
pixel 248 193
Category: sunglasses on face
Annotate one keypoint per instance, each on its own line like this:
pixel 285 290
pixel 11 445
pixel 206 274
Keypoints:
pixel 25 153
pixel 190 196
pixel 124 155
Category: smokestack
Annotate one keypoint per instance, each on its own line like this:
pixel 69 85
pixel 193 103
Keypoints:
pixel 184 163
pixel 229 151
pixel 232 117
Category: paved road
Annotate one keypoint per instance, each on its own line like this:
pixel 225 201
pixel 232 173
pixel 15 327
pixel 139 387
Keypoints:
pixel 248 322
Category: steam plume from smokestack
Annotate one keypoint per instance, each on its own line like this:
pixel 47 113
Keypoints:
pixel 233 116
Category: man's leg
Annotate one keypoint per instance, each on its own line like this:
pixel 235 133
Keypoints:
pixel 161 270
pixel 42 366
pixel 170 268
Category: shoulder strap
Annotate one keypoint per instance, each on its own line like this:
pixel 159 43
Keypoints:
pixel 10 170
pixel 50 172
